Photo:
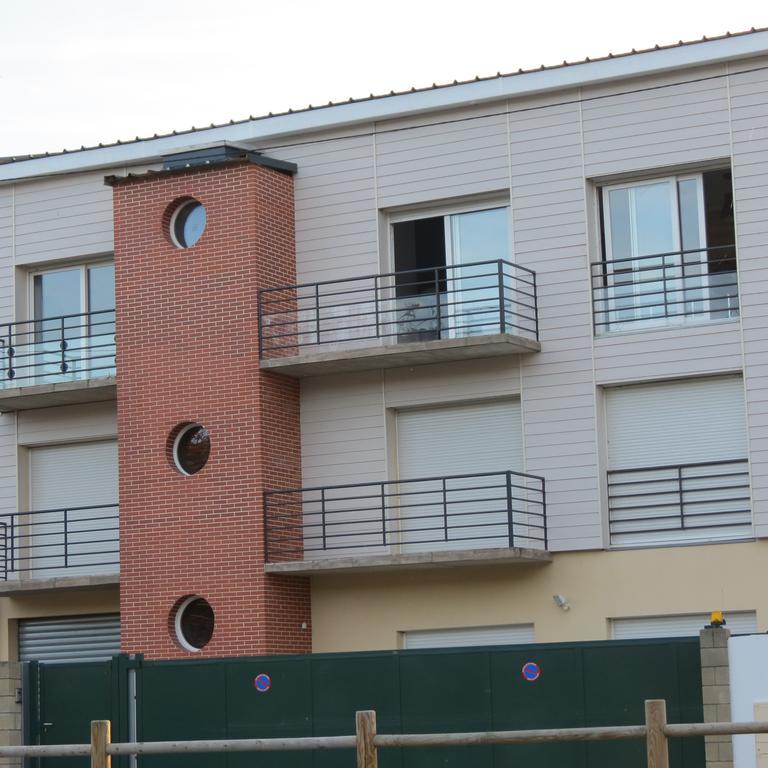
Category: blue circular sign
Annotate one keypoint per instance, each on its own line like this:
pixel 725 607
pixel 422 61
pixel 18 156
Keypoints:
pixel 262 683
pixel 531 671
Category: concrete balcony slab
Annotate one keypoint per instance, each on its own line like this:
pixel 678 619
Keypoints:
pixel 412 561
pixel 58 393
pixel 348 359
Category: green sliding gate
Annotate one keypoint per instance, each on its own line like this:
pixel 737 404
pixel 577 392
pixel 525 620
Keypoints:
pixel 467 689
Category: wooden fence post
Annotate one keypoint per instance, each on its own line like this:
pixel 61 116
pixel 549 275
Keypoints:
pixel 101 735
pixel 365 731
pixel 656 739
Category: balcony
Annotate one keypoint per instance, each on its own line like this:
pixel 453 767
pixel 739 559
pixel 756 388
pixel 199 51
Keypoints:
pixel 685 503
pixel 667 289
pixel 57 361
pixel 73 547
pixel 411 317
pixel 478 519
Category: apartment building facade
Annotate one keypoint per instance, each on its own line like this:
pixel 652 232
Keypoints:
pixel 481 363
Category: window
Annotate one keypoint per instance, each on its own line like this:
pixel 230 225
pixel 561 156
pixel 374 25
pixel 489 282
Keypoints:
pixel 450 273
pixel 71 331
pixel 187 223
pixel 464 637
pixel 194 622
pixel 683 625
pixel 668 252
pixel 191 448
pixel 677 466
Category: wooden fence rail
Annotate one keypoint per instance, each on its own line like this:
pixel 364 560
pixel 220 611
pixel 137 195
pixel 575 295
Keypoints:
pixel 367 742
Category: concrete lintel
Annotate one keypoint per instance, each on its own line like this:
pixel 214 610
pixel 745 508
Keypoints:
pixel 415 560
pixel 351 359
pixel 27 586
pixel 60 393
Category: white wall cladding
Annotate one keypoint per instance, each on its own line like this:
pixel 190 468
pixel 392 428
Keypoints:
pixel 443 158
pixel 651 127
pixel 554 146
pixel 336 210
pixel 63 218
pixel 544 154
pixel 68 423
pixel 749 96
pixel 550 237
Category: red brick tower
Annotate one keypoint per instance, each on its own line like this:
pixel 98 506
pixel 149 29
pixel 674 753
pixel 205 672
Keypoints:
pixel 188 353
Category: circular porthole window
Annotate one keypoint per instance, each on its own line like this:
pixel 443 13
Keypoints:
pixel 191 449
pixel 187 223
pixel 193 623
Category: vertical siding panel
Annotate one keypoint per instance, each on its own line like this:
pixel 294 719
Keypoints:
pixel 6 253
pixel 749 103
pixel 343 436
pixel 63 218
pixel 459 153
pixel 558 384
pixel 659 124
pixel 335 203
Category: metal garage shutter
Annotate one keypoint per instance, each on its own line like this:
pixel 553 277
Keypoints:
pixel 739 622
pixel 73 475
pixel 481 439
pixel 677 462
pixel 515 634
pixel 77 638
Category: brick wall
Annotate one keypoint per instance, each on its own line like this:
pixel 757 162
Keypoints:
pixel 188 352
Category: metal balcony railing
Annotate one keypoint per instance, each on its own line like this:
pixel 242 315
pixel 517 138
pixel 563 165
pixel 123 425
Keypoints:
pixel 57 349
pixel 644 291
pixel 500 509
pixel 488 297
pixel 678 503
pixel 51 540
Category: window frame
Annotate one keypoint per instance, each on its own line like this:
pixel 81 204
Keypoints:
pixel 605 309
pixel 82 266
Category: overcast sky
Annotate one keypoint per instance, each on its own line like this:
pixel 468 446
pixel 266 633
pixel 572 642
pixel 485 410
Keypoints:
pixel 76 72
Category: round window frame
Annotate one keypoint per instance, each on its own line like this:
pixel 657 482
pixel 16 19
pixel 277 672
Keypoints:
pixel 179 634
pixel 177 211
pixel 175 448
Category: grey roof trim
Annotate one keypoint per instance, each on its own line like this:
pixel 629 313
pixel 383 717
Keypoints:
pixel 655 61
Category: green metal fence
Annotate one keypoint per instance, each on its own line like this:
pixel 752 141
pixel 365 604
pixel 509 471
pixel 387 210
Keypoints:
pixel 474 689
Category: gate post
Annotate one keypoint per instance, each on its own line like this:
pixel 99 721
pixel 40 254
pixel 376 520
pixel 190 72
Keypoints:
pixel 716 693
pixel 656 740
pixel 100 738
pixel 365 731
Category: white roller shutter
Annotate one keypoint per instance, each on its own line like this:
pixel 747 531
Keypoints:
pixel 76 638
pixel 476 438
pixel 677 462
pixel 73 475
pixel 70 477
pixel 679 422
pixel 460 439
pixel 514 634
pixel 739 622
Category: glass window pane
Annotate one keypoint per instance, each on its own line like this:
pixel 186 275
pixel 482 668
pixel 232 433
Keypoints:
pixel 101 299
pixel 480 236
pixel 58 293
pixel 101 287
pixel 654 222
pixel 620 224
pixel 473 285
pixel 690 225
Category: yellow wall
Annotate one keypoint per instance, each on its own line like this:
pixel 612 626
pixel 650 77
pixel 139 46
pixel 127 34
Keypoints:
pixel 50 603
pixel 359 611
